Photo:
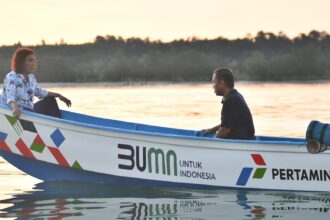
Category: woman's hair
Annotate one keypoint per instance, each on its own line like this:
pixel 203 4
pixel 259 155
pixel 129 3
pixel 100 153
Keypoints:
pixel 20 55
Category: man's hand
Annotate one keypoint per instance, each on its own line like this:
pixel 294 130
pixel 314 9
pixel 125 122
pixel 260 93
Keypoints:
pixel 222 132
pixel 206 132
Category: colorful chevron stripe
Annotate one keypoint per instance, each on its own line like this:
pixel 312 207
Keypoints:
pixel 38 145
pixel 15 123
pixel 20 125
pixel 246 171
pixel 59 156
pixel 24 149
pixel 3 144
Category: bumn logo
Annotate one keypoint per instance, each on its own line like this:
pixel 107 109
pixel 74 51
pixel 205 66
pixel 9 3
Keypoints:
pixel 153 159
pixel 246 172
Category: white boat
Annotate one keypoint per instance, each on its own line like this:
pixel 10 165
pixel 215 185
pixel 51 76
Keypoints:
pixel 90 149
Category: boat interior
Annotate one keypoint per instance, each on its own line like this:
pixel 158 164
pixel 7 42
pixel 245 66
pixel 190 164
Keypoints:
pixel 86 119
pixel 103 123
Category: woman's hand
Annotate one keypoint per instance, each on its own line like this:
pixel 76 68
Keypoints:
pixel 65 100
pixel 16 110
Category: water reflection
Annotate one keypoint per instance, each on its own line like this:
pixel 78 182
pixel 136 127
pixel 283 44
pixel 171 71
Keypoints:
pixel 279 110
pixel 59 200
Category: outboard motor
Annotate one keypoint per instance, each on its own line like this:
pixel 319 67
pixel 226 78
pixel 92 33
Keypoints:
pixel 317 137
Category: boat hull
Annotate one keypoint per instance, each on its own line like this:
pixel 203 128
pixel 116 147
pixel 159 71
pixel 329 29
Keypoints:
pixel 52 172
pixel 88 149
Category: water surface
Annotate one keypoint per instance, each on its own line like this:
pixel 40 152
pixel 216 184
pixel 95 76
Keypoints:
pixel 279 109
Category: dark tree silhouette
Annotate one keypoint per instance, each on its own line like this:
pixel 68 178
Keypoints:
pixel 265 57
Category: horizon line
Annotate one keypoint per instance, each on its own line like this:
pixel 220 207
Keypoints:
pixel 150 40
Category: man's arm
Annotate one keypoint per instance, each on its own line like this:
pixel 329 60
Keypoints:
pixel 222 132
pixel 228 119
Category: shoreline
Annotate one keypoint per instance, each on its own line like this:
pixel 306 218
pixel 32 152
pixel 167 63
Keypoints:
pixel 164 83
pixel 168 83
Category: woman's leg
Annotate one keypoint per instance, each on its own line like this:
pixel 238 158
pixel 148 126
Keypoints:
pixel 48 106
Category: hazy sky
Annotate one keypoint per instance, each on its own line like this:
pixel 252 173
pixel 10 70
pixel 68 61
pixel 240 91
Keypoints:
pixel 79 21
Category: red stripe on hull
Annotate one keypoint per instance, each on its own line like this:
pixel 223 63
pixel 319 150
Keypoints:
pixel 4 146
pixel 59 156
pixel 24 149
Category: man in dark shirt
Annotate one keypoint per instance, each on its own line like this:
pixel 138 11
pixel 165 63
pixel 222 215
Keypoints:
pixel 236 118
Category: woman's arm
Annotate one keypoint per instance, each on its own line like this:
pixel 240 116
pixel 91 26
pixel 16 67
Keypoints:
pixel 62 98
pixel 11 90
pixel 16 109
pixel 41 93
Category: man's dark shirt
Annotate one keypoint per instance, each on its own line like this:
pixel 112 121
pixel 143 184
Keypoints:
pixel 236 115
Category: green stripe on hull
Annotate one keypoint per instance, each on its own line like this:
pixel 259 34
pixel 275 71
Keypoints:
pixel 37 147
pixel 76 165
pixel 12 120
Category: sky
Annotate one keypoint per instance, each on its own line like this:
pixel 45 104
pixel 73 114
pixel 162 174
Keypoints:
pixel 80 21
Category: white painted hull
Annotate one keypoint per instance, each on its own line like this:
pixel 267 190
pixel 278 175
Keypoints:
pixel 129 156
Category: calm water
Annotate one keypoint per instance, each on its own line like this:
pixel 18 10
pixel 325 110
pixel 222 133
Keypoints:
pixel 278 110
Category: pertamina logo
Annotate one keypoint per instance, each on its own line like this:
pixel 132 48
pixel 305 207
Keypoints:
pixel 246 171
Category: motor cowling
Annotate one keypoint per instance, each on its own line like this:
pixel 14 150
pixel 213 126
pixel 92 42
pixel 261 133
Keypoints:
pixel 318 137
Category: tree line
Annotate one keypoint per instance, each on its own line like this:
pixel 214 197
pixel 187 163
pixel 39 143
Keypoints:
pixel 264 57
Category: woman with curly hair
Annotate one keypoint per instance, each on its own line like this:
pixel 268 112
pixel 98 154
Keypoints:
pixel 20 86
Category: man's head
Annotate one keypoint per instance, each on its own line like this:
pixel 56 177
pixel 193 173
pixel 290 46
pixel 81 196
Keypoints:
pixel 223 81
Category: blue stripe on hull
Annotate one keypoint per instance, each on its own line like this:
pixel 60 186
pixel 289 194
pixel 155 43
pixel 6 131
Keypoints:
pixel 52 172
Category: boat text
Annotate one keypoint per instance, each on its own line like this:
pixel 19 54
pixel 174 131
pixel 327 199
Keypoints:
pixel 301 174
